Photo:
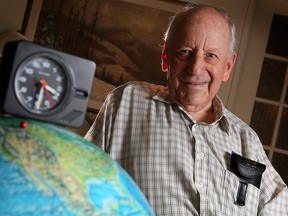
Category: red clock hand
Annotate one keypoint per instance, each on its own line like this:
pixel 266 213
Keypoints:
pixel 44 85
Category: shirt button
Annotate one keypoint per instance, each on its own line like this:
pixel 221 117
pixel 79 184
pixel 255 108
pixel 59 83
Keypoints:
pixel 200 185
pixel 201 155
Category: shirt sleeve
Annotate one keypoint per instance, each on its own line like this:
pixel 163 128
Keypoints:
pixel 100 132
pixel 274 192
pixel 277 205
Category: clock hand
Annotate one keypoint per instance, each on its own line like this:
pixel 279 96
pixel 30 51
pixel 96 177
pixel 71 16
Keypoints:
pixel 44 85
pixel 53 91
pixel 49 88
pixel 49 97
pixel 40 98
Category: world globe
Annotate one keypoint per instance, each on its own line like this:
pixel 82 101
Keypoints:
pixel 48 170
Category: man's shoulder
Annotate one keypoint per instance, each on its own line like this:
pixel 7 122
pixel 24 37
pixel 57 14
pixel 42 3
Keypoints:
pixel 138 88
pixel 237 123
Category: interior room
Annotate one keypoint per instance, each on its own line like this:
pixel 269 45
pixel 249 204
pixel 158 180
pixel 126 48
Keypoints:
pixel 111 33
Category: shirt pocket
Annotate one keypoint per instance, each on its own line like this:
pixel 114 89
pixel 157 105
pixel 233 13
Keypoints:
pixel 228 197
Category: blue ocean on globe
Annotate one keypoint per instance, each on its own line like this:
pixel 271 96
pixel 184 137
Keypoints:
pixel 47 170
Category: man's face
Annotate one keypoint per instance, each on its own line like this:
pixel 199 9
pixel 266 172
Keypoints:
pixel 197 56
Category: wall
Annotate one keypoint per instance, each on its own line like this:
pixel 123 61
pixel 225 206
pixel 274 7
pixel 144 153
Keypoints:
pixel 12 14
pixel 20 15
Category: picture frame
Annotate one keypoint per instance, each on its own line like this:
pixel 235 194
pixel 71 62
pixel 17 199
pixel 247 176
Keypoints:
pixel 30 20
pixel 123 37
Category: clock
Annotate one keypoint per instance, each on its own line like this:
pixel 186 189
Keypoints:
pixel 45 84
pixel 42 83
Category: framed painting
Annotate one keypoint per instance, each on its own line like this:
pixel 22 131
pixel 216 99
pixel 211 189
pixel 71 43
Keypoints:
pixel 123 37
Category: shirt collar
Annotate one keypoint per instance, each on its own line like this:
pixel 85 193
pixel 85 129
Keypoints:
pixel 163 96
pixel 221 114
pixel 218 106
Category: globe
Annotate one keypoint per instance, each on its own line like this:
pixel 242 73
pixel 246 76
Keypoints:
pixel 48 170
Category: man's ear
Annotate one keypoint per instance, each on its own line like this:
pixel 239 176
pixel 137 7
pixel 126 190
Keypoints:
pixel 230 65
pixel 164 64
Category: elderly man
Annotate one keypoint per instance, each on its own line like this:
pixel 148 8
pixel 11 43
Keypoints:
pixel 177 142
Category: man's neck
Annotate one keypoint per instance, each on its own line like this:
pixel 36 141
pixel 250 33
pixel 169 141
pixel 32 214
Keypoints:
pixel 205 114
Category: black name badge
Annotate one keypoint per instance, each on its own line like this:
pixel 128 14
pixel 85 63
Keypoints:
pixel 248 172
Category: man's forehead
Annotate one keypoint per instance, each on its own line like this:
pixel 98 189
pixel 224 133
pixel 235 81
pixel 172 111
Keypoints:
pixel 205 15
pixel 197 20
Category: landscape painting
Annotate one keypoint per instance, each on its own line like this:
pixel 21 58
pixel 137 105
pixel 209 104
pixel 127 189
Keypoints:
pixel 124 39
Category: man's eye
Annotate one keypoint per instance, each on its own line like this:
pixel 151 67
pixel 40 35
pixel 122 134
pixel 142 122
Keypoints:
pixel 211 55
pixel 211 58
pixel 183 54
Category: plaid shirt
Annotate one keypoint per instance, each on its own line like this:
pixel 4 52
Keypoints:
pixel 182 166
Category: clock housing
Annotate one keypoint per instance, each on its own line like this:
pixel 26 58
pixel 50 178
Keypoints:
pixel 45 84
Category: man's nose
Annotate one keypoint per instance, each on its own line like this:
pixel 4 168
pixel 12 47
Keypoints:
pixel 196 64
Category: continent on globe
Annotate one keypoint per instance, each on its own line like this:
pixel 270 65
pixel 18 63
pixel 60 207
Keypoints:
pixel 47 170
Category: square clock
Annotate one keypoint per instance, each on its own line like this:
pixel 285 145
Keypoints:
pixel 45 84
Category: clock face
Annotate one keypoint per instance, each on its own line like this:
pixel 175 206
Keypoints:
pixel 41 83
